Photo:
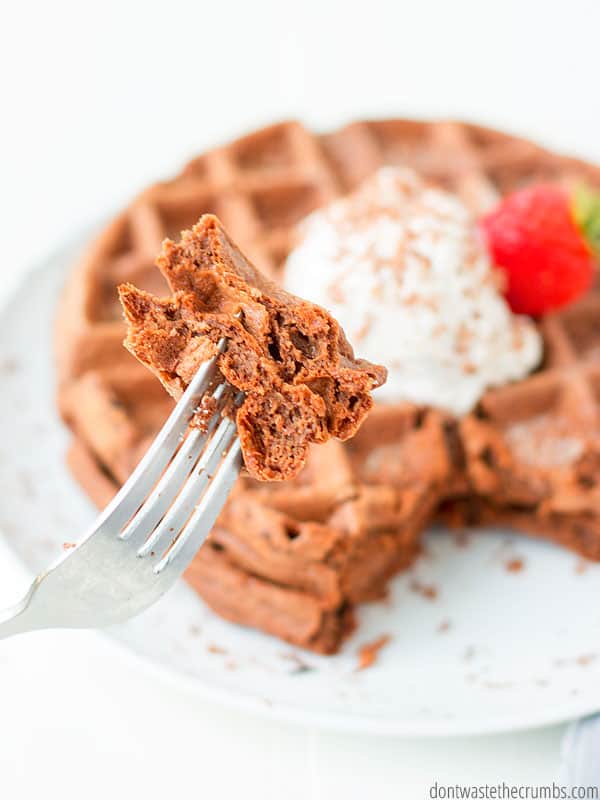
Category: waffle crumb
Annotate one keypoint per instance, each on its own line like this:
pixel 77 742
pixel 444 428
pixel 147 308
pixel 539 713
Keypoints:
pixel 581 566
pixel 429 592
pixel 203 413
pixel 216 649
pixel 369 653
pixel 514 565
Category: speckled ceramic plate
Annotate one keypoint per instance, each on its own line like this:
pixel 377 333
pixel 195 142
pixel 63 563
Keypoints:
pixel 487 633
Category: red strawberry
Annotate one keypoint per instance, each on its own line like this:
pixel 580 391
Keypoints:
pixel 544 239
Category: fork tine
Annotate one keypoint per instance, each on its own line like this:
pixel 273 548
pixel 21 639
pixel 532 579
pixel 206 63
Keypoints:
pixel 162 494
pixel 187 499
pixel 136 489
pixel 169 484
pixel 207 510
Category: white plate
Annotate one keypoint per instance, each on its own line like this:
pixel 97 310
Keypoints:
pixel 495 649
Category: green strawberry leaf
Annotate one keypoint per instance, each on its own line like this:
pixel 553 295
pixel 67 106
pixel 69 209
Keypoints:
pixel 586 209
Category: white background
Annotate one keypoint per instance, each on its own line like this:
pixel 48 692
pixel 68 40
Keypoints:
pixel 99 98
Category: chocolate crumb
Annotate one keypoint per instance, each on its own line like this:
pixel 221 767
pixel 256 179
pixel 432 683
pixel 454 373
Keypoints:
pixel 203 413
pixel 461 538
pixel 368 653
pixel 69 545
pixel 584 660
pixel 336 293
pixel 444 626
pixel 514 565
pixel 214 648
pixel 300 666
pixel 429 592
pixel 364 329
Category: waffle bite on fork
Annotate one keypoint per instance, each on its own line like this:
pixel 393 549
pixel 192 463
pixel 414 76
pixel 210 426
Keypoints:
pixel 294 558
pixel 290 359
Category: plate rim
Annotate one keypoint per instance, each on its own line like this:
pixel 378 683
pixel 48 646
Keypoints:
pixel 339 722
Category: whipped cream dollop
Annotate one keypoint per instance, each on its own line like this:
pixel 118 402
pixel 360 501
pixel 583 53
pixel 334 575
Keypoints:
pixel 402 267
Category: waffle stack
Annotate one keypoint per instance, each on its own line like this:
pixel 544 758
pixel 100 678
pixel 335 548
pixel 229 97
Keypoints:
pixel 295 558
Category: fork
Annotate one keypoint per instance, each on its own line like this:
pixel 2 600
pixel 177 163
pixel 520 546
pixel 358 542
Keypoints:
pixel 148 534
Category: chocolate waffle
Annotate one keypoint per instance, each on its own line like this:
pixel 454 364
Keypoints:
pixel 293 559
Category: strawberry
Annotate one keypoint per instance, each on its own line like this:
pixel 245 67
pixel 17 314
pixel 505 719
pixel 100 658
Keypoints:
pixel 547 241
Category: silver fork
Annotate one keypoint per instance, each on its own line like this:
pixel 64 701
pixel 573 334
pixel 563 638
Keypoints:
pixel 145 538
